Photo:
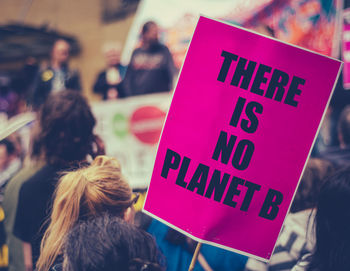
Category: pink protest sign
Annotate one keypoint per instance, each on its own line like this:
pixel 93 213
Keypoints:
pixel 243 118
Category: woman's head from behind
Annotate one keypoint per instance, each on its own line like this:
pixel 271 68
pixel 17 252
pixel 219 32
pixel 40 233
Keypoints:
pixel 333 224
pixel 95 189
pixel 108 243
pixel 65 128
pixel 81 195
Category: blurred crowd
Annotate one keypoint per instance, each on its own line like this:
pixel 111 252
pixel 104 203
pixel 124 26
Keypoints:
pixel 67 206
pixel 151 69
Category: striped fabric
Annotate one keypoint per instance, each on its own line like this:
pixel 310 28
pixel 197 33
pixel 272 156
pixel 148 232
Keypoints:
pixel 295 240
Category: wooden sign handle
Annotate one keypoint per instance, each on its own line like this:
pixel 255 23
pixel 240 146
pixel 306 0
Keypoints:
pixel 195 256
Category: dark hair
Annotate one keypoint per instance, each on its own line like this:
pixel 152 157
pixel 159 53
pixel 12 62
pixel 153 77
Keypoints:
pixel 312 180
pixel 65 128
pixel 108 243
pixel 146 26
pixel 332 220
pixel 344 125
pixel 10 147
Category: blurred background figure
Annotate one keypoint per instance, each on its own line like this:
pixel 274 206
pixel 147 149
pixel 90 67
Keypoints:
pixel 151 67
pixel 25 78
pixel 9 99
pixel 15 246
pixel 57 76
pixel 10 163
pixel 63 139
pixel 108 243
pixel 340 155
pixel 108 81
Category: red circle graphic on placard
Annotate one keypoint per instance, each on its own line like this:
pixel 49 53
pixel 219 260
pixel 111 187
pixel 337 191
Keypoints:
pixel 146 124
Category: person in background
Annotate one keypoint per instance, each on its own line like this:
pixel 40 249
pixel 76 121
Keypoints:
pixel 23 81
pixel 80 196
pixel 109 243
pixel 340 155
pixel 9 99
pixel 332 220
pixel 63 140
pixel 10 163
pixel 108 81
pixel 151 67
pixel 297 238
pixel 10 202
pixel 328 136
pixel 58 76
pixel 178 249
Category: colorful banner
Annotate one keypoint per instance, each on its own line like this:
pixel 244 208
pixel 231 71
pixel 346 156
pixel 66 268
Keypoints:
pixel 311 24
pixel 240 127
pixel 178 20
pixel 130 129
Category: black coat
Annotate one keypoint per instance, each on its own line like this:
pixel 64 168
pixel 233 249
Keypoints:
pixel 43 85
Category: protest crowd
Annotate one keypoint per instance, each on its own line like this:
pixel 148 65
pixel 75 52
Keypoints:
pixel 67 205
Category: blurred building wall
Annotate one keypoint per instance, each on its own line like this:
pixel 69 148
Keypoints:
pixel 81 18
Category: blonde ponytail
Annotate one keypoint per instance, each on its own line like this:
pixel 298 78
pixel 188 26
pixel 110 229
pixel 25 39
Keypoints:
pixel 81 194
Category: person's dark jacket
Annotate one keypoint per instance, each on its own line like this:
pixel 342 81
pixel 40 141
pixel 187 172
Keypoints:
pixel 150 70
pixel 34 204
pixel 101 86
pixel 43 84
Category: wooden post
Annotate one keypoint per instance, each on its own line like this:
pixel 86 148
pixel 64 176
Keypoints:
pixel 195 256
